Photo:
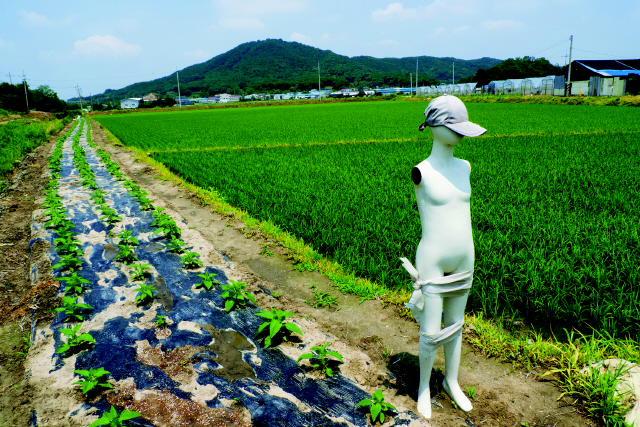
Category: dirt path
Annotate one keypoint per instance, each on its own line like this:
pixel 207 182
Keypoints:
pixel 362 333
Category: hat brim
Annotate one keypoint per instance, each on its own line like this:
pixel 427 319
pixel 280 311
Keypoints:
pixel 467 129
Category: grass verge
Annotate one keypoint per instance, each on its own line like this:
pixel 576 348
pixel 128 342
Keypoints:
pixel 569 362
pixel 563 361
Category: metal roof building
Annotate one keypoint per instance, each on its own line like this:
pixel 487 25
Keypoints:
pixel 602 77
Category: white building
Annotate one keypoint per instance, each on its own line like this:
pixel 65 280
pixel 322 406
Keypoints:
pixel 130 103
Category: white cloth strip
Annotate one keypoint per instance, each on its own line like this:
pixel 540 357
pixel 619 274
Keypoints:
pixel 431 343
pixel 444 286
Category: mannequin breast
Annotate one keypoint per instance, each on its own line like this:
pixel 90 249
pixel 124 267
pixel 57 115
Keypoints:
pixel 443 197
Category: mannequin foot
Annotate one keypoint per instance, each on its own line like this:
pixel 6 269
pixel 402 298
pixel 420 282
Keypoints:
pixel 457 395
pixel 424 403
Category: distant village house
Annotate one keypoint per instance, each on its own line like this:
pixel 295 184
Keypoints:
pixel 130 103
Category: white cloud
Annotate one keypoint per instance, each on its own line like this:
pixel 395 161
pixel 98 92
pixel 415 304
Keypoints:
pixel 325 36
pixel 502 24
pixel 388 42
pixel 394 10
pixel 440 29
pixel 437 8
pixel 198 54
pixel 241 23
pixel 300 38
pixel 460 29
pixel 36 20
pixel 106 45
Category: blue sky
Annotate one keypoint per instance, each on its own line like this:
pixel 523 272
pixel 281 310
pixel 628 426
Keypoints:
pixel 110 44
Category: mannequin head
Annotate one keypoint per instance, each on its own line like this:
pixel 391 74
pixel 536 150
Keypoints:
pixel 445 136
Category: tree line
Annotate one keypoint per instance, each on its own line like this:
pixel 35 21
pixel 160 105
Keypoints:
pixel 12 98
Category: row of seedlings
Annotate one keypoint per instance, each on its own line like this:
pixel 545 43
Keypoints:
pixel 273 328
pixel 68 248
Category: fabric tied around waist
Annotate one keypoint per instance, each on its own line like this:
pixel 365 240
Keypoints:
pixel 446 286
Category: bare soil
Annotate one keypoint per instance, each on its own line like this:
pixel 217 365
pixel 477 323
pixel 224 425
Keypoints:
pixel 379 348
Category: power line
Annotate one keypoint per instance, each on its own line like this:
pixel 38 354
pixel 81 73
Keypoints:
pixel 597 53
pixel 550 47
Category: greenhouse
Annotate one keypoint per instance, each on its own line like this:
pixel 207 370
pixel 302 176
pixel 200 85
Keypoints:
pixel 495 87
pixel 531 86
pixel 546 85
pixel 512 86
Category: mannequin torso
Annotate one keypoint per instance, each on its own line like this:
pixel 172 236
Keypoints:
pixel 443 193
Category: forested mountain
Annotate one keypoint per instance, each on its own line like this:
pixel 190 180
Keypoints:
pixel 518 68
pixel 276 65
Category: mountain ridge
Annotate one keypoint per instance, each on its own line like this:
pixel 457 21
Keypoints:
pixel 275 65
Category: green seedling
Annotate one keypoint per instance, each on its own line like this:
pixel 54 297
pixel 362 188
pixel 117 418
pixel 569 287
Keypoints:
pixel 321 354
pixel 146 293
pixel 108 214
pixel 387 352
pixel 72 308
pixel 127 239
pixel 378 405
pixel 323 299
pixel 165 224
pixel 140 271
pixel 27 345
pixel 277 294
pixel 161 321
pixel 92 379
pixel 207 280
pixel 145 203
pixel 97 197
pixel 68 262
pixel 471 392
pixel 75 284
pixel 274 320
pixel 175 245
pixel 67 245
pixel 190 260
pixel 265 249
pixel 58 218
pixel 73 339
pixel 113 419
pixel 234 294
pixel 126 254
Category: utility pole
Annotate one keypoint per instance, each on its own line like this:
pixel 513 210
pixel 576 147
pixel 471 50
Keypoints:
pixel 178 79
pixel 569 76
pixel 91 95
pixel 453 80
pixel 80 96
pixel 416 76
pixel 10 79
pixel 319 90
pixel 411 84
pixel 24 83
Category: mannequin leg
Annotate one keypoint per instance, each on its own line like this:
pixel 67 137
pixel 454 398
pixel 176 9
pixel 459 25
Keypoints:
pixel 430 324
pixel 453 312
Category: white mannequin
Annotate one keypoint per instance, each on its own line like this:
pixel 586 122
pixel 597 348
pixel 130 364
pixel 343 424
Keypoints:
pixel 443 192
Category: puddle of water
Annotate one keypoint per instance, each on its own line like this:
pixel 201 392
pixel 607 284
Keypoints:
pixel 153 247
pixel 227 351
pixel 163 295
pixel 110 251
